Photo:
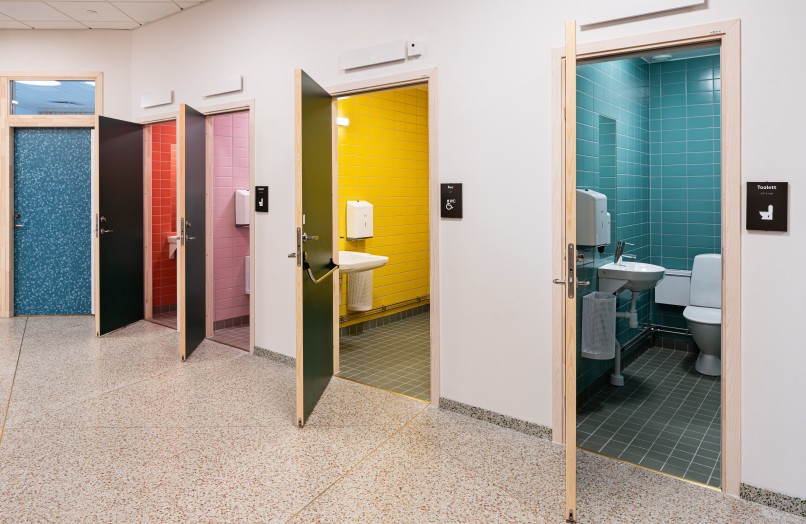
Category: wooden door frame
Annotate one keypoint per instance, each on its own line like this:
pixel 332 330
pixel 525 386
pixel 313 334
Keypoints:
pixel 7 123
pixel 428 77
pixel 208 111
pixel 728 34
pixel 148 247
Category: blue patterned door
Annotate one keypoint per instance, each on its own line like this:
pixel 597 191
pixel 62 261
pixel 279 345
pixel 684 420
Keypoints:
pixel 53 222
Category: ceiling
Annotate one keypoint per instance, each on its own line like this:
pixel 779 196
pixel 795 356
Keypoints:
pixel 681 53
pixel 88 14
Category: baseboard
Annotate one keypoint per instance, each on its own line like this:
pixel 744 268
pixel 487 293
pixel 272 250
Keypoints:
pixel 772 499
pixel 530 428
pixel 273 355
pixel 231 322
pixel 359 327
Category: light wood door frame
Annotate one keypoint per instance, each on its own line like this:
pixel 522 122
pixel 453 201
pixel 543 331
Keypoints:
pixel 7 123
pixel 570 276
pixel 728 35
pixel 428 77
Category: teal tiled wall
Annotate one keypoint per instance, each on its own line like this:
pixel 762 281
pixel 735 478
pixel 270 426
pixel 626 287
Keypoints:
pixel 664 190
pixel 684 136
pixel 613 102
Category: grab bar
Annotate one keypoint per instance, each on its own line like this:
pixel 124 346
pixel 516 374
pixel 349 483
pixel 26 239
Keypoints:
pixel 307 267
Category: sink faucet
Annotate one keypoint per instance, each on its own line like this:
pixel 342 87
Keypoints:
pixel 619 255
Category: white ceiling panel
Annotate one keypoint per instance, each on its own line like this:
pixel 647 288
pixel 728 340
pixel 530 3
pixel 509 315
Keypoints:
pixel 30 11
pixel 12 24
pixel 62 24
pixel 112 25
pixel 87 14
pixel 147 11
pixel 99 11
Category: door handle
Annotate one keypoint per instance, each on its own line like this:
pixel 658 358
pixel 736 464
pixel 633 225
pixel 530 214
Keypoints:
pixel 307 267
pixel 306 237
pixel 559 281
pixel 105 231
pixel 18 226
pixel 187 226
pixel 292 255
pixel 583 283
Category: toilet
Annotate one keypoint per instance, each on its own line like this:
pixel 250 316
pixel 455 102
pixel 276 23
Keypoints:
pixel 704 314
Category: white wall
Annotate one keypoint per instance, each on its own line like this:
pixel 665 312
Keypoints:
pixel 75 51
pixel 494 136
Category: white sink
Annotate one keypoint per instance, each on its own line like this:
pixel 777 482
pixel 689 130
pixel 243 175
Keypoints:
pixel 354 262
pixel 635 276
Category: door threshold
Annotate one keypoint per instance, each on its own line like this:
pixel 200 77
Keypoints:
pixel 382 389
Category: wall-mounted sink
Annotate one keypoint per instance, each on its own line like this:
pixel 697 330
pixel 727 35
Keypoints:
pixel 635 276
pixel 354 262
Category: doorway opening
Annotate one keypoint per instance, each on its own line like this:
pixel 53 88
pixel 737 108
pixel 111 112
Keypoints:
pixel 161 156
pixel 648 144
pixel 53 225
pixel 383 240
pixel 719 215
pixel 228 247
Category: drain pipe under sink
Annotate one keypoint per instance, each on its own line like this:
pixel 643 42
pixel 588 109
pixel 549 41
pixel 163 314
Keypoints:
pixel 616 378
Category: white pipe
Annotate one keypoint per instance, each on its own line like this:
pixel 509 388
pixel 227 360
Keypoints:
pixel 616 378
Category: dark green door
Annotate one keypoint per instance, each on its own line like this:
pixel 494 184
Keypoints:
pixel 192 249
pixel 119 225
pixel 314 243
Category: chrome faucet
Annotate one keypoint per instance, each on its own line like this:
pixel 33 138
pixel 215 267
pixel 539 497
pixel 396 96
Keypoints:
pixel 619 255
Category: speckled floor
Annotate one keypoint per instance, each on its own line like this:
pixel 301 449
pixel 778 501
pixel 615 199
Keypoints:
pixel 119 430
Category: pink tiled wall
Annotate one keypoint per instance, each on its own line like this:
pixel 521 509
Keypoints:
pixel 230 243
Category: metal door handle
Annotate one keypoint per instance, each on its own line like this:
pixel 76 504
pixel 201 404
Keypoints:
pixel 292 255
pixel 559 281
pixel 306 237
pixel 307 267
pixel 18 226
pixel 105 231
pixel 583 283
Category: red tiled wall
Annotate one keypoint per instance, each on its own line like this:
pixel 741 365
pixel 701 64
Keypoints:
pixel 230 243
pixel 163 210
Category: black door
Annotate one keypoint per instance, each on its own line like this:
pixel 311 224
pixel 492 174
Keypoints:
pixel 315 268
pixel 119 225
pixel 192 249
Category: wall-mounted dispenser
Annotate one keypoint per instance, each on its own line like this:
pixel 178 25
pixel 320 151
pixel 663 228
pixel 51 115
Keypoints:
pixel 359 219
pixel 242 207
pixel 593 220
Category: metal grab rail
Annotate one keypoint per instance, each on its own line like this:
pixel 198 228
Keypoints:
pixel 307 267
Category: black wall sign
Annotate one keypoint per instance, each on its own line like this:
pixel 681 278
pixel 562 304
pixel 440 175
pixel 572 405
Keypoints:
pixel 262 199
pixel 766 205
pixel 451 200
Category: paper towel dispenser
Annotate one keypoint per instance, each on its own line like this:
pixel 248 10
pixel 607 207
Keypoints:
pixel 593 220
pixel 359 219
pixel 242 207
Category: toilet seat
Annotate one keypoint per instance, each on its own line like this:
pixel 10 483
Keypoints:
pixel 703 315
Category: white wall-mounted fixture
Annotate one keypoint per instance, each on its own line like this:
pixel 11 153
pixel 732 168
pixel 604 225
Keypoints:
pixel 600 11
pixel 593 220
pixel 156 98
pixel 224 85
pixel 359 219
pixel 248 281
pixel 173 243
pixel 675 288
pixel 343 121
pixel 414 48
pixel 373 55
pixel 241 207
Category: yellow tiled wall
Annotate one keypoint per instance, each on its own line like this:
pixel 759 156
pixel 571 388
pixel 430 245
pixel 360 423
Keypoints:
pixel 383 159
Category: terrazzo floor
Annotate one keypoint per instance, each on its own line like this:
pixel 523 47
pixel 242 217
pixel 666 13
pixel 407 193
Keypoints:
pixel 118 429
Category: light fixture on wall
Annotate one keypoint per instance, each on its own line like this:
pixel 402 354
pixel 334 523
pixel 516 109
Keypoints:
pixel 343 121
pixel 41 83
pixel 661 58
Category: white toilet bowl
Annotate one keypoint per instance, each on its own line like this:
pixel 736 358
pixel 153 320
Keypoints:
pixel 704 315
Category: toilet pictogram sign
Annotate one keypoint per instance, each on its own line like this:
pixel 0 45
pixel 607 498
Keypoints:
pixel 767 206
pixel 451 200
